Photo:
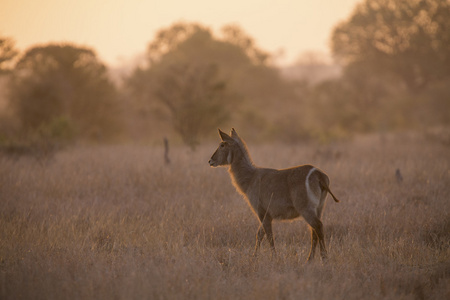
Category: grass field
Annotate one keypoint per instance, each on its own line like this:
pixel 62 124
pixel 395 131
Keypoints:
pixel 113 222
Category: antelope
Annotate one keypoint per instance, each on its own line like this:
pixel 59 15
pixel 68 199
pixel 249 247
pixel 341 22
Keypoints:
pixel 273 194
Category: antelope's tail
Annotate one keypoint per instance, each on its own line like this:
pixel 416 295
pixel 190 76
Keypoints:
pixel 325 186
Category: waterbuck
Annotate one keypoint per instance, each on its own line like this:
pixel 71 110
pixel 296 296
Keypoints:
pixel 275 194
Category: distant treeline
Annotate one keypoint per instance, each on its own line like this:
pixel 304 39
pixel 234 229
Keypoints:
pixel 394 55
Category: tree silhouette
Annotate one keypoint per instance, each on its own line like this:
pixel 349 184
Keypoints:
pixel 195 98
pixel 7 53
pixel 64 81
pixel 409 40
pixel 190 81
pixel 209 78
pixel 235 35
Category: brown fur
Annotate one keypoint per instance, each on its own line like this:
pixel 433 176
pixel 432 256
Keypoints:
pixel 275 194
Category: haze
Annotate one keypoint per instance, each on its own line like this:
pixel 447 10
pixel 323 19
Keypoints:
pixel 119 30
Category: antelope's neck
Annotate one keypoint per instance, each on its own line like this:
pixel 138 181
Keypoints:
pixel 242 172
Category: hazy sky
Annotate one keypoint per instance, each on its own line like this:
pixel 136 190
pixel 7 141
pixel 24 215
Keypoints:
pixel 120 29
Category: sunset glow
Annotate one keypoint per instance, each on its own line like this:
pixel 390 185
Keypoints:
pixel 119 30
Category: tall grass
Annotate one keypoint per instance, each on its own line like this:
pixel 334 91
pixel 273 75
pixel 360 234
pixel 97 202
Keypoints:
pixel 114 222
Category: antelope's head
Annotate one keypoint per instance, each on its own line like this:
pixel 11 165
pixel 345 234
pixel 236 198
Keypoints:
pixel 224 153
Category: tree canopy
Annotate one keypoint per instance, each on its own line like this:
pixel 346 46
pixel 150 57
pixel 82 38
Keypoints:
pixel 203 80
pixel 64 82
pixel 409 40
pixel 7 53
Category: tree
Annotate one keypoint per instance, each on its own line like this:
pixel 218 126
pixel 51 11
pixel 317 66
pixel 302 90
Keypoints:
pixel 235 35
pixel 195 98
pixel 184 80
pixel 408 40
pixel 64 82
pixel 232 75
pixel 167 39
pixel 7 53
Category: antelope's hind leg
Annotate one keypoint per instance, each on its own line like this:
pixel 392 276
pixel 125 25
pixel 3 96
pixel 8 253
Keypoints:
pixel 314 240
pixel 316 234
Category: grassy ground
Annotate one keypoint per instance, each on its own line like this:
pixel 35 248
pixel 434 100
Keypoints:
pixel 114 223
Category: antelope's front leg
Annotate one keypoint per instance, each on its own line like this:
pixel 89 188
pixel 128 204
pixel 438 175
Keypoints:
pixel 267 224
pixel 259 238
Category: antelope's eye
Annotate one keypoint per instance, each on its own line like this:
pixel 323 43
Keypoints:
pixel 222 145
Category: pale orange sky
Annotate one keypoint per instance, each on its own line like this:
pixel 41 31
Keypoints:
pixel 118 30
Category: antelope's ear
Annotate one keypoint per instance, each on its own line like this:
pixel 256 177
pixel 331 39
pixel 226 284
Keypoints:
pixel 234 134
pixel 225 137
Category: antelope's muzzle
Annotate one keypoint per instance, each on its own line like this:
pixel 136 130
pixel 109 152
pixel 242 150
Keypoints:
pixel 212 163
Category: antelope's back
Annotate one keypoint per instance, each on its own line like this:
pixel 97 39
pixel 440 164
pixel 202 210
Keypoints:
pixel 282 186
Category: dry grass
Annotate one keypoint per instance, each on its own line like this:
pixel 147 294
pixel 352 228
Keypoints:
pixel 114 223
